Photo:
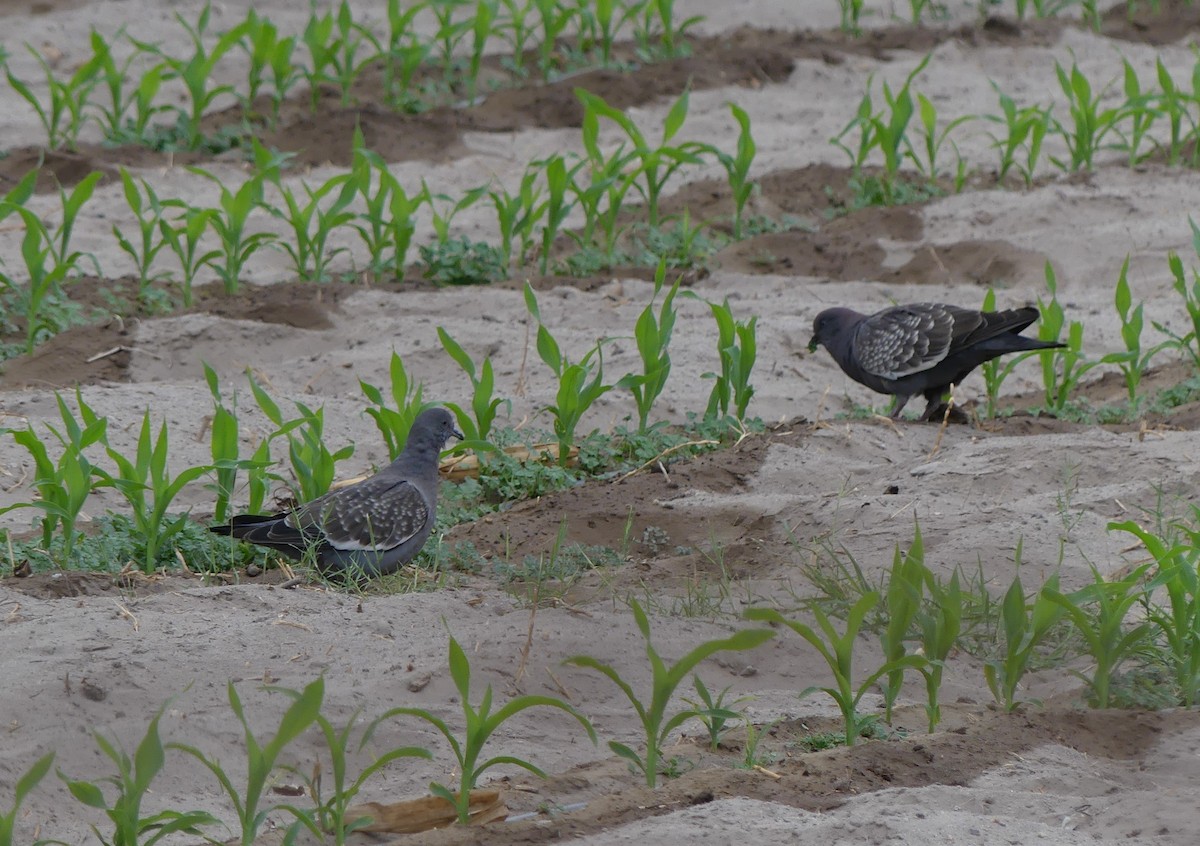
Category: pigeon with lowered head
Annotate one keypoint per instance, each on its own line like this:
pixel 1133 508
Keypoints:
pixel 922 348
pixel 370 528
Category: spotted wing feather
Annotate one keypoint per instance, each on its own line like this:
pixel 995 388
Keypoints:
pixel 905 340
pixel 378 514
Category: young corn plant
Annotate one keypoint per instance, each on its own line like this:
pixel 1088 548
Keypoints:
pixel 851 13
pixel 268 55
pixel 601 21
pixel 576 393
pixel 148 487
pixel 885 130
pixel 653 336
pixel 480 723
pixel 737 169
pixel 408 401
pixel 558 181
pixel 44 277
pixel 1107 639
pixel 926 155
pixel 995 372
pixel 939 622
pixel 1177 623
pixel 656 723
pixel 72 204
pixel 554 18
pixel 64 485
pixel 311 222
pixel 658 31
pixel 332 814
pixel 601 196
pixel 1062 369
pixel 838 652
pixel 132 780
pixel 30 779
pixel 714 712
pixel 196 72
pixel 1175 104
pixel 115 77
pixel 229 223
pixel 519 215
pixel 902 600
pixel 1024 626
pixel 387 224
pixel 1089 123
pixel 226 454
pixel 334 42
pixel 1132 361
pixel 261 758
pixel 182 236
pixel 476 425
pixel 150 239
pixel 1025 129
pixel 66 114
pixel 313 465
pixel 737 350
pixel 1189 343
pixel 655 164
pixel 1140 112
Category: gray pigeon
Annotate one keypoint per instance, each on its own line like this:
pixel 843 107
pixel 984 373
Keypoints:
pixel 366 529
pixel 922 348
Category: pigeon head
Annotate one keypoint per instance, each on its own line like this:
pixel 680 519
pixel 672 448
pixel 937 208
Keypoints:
pixel 434 426
pixel 831 328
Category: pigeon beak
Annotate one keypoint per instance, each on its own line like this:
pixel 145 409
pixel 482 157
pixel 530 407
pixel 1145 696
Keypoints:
pixel 457 434
pixel 812 344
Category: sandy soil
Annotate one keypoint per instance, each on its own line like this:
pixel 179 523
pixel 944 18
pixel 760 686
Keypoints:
pixel 83 654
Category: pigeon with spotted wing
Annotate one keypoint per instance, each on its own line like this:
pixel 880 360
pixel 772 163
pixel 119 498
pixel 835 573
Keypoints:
pixel 922 348
pixel 370 528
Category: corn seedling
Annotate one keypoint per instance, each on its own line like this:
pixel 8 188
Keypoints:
pixel 1140 112
pixel 996 371
pixel 1025 129
pixel 147 486
pixel 386 226
pixel 926 155
pixel 884 130
pixel 151 240
pixel 115 77
pixel 657 725
pixel 653 336
pixel 851 12
pixel 1089 123
pixel 312 221
pixel 902 600
pixel 477 425
pixel 1106 638
pixel 1178 622
pixel 1132 362
pixel 226 454
pixel 229 222
pixel 63 486
pixel 331 814
pixel 480 724
pixel 838 652
pixel 1061 368
pixel 656 164
pixel 714 712
pixel 182 236
pixel 268 54
pixel 575 392
pixel 1024 626
pixel 600 22
pixel 939 622
pixel 1189 343
pixel 737 349
pixel 334 42
pixel 66 114
pixel 1175 105
pixel 72 204
pixel 133 779
pixel 556 206
pixel 24 786
pixel 659 33
pixel 737 168
pixel 602 195
pixel 405 52
pixel 313 465
pixel 195 72
pixel 261 758
pixel 408 401
pixel 45 278
pixel 554 17
pixel 519 215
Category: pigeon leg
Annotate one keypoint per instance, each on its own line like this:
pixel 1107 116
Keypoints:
pixel 898 405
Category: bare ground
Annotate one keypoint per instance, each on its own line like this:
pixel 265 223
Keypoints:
pixel 84 654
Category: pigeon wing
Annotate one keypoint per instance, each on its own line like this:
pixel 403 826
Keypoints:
pixel 910 339
pixel 378 514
